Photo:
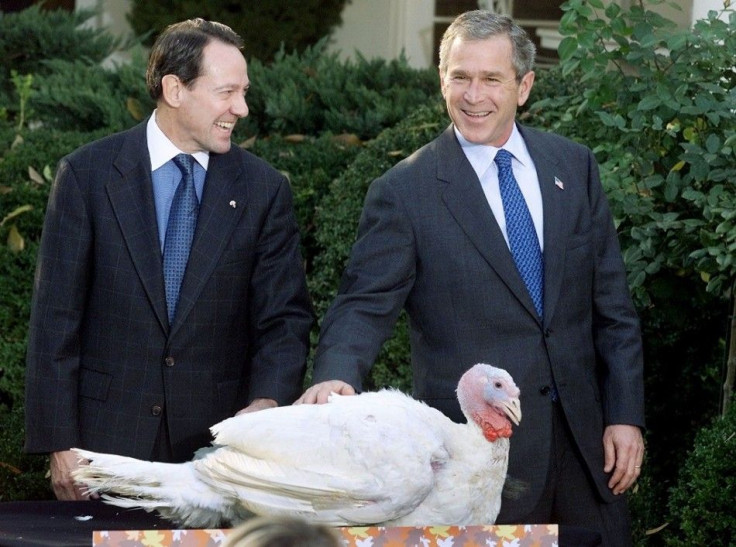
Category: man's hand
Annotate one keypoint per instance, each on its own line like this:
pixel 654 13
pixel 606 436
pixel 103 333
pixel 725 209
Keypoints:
pixel 318 393
pixel 257 404
pixel 62 465
pixel 623 446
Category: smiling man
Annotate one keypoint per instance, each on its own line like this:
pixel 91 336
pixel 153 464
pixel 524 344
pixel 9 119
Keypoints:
pixel 169 291
pixel 498 241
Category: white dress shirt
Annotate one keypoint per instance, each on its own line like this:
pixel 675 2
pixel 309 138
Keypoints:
pixel 166 176
pixel 481 158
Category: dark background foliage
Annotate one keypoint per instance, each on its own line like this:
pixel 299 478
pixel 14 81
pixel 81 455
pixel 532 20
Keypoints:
pixel 31 37
pixel 265 26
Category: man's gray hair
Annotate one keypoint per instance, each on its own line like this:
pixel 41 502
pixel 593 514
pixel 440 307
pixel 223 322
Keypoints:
pixel 483 24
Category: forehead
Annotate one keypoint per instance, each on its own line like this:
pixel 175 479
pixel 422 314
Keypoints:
pixel 493 54
pixel 224 63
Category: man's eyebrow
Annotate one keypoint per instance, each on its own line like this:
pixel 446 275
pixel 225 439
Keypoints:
pixel 230 87
pixel 482 74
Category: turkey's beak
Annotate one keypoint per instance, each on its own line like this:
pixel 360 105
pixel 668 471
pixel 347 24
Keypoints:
pixel 512 409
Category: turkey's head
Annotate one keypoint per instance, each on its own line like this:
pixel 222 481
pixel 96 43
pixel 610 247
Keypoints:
pixel 489 397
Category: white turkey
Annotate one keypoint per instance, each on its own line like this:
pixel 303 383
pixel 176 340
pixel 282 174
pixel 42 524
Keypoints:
pixel 378 458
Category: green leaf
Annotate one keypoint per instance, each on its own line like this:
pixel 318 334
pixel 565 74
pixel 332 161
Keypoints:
pixel 584 10
pixel 670 190
pixel 678 166
pixel 677 42
pixel 713 143
pixel 568 46
pixel 569 67
pixel 638 279
pixel 567 23
pixel 724 227
pixel 612 10
pixel 650 102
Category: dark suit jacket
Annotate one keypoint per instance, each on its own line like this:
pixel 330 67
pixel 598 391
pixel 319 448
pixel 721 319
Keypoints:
pixel 103 364
pixel 428 241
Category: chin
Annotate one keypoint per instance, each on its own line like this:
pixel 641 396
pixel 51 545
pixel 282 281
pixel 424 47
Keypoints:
pixel 221 148
pixel 476 137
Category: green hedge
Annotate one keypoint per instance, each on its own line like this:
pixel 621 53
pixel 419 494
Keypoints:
pixel 702 503
pixel 78 96
pixel 29 38
pixel 22 477
pixel 314 92
pixel 311 164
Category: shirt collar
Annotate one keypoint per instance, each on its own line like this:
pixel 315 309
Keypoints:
pixel 162 150
pixel 481 156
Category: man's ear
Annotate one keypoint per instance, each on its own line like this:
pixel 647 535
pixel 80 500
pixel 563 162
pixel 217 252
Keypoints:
pixel 525 87
pixel 171 90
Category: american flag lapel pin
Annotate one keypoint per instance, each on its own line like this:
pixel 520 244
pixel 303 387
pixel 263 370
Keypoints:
pixel 233 204
pixel 559 184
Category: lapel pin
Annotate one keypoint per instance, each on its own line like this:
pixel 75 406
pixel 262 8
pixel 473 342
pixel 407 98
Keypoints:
pixel 233 204
pixel 558 183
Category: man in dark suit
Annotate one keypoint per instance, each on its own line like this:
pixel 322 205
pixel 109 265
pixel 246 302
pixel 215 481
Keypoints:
pixel 117 362
pixel 437 239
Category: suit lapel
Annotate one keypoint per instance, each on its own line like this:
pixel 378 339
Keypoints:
pixel 132 201
pixel 467 203
pixel 223 203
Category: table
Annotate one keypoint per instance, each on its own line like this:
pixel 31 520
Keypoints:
pixel 67 523
pixel 74 523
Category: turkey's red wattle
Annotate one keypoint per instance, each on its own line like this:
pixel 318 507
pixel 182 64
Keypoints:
pixel 493 431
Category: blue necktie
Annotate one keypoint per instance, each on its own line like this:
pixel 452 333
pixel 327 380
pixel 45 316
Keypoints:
pixel 520 230
pixel 180 231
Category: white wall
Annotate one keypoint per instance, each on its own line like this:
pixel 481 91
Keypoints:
pixel 702 7
pixel 111 14
pixel 383 28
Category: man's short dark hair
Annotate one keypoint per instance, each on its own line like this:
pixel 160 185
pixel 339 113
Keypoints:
pixel 178 51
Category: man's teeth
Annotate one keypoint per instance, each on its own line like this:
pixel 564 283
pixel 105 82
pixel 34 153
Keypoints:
pixel 225 125
pixel 477 114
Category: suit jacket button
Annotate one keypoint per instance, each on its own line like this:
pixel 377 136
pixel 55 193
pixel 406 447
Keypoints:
pixel 156 410
pixel 169 361
pixel 544 390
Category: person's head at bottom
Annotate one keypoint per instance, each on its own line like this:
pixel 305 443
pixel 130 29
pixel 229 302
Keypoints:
pixel 281 532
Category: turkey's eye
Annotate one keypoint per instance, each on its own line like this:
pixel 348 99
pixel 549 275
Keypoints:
pixel 498 385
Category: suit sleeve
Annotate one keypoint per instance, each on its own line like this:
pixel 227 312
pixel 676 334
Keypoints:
pixel 374 287
pixel 281 314
pixel 616 331
pixel 60 285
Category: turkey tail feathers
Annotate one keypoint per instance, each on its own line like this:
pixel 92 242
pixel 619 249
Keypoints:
pixel 172 490
pixel 120 474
